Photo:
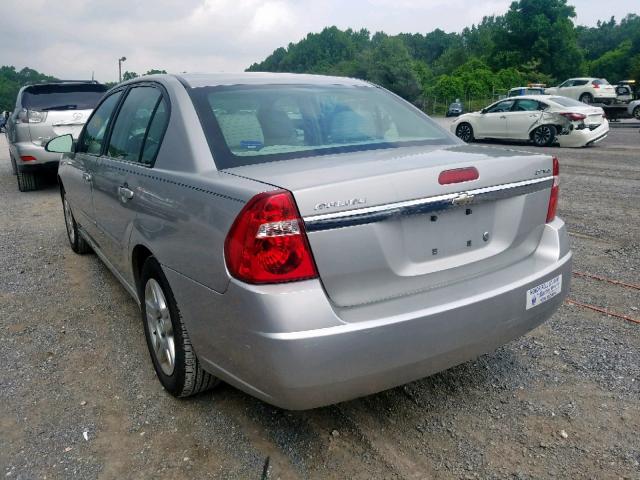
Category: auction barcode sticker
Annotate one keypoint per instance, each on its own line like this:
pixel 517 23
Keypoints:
pixel 543 292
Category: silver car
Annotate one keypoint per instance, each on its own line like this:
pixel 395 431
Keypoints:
pixel 44 111
pixel 309 239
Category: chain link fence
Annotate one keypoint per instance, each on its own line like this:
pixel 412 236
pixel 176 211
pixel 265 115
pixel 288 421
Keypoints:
pixel 438 106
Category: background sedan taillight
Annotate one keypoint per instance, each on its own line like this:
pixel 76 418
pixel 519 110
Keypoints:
pixel 555 191
pixel 267 242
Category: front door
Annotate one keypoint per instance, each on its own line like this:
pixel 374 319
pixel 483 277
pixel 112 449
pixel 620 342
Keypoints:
pixel 131 149
pixel 493 123
pixel 83 164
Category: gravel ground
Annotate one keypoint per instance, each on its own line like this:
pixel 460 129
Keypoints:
pixel 80 399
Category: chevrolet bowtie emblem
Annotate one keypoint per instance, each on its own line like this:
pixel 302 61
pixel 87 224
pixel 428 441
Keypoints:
pixel 462 199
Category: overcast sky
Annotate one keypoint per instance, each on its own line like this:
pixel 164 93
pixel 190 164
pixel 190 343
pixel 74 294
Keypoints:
pixel 72 38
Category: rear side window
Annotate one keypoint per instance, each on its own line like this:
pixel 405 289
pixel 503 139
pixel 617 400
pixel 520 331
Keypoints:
pixel 140 123
pixel 93 136
pixel 579 83
pixel 526 105
pixel 62 97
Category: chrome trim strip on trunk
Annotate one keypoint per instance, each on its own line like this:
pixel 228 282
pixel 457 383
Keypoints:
pixel 361 216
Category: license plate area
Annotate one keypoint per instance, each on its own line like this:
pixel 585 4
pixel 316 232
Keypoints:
pixel 543 292
pixel 458 230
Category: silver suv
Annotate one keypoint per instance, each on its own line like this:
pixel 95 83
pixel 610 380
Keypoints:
pixel 44 111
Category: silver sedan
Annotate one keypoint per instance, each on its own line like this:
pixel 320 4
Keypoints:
pixel 309 239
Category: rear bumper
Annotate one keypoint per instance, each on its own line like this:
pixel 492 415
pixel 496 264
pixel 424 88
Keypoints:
pixel 287 345
pixel 43 160
pixel 585 137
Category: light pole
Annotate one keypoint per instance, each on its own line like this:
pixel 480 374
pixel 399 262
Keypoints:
pixel 120 60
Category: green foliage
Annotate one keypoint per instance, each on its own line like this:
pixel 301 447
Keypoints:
pixel 12 80
pixel 534 41
pixel 613 64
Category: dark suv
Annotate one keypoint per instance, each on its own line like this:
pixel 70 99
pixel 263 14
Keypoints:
pixel 44 111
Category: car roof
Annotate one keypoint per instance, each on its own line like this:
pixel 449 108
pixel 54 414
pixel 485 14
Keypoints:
pixel 196 80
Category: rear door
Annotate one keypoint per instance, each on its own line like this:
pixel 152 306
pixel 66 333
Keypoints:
pixel 493 122
pixel 524 114
pixel 134 141
pixel 78 181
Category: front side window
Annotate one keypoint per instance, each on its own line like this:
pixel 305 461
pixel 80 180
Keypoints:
pixel 96 127
pixel 568 83
pixel 579 83
pixel 503 106
pixel 129 132
pixel 254 124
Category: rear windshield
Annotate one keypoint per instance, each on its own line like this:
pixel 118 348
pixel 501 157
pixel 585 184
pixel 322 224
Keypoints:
pixel 254 124
pixel 567 102
pixel 62 97
pixel 600 81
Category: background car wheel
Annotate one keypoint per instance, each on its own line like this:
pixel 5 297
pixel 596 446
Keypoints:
pixel 544 135
pixel 464 131
pixel 27 182
pixel 174 359
pixel 636 113
pixel 77 242
pixel 586 98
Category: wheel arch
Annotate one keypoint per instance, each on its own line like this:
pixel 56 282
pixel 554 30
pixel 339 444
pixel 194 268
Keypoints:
pixel 139 255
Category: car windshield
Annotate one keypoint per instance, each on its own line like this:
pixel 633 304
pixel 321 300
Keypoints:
pixel 255 124
pixel 567 102
pixel 62 97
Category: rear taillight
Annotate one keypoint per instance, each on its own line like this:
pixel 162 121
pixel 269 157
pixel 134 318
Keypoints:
pixel 555 191
pixel 36 117
pixel 28 158
pixel 267 242
pixel 574 117
pixel 458 175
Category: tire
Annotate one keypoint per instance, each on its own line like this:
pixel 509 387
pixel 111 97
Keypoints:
pixel 76 240
pixel 28 182
pixel 464 132
pixel 172 353
pixel 544 136
pixel 586 98
pixel 636 113
pixel 14 168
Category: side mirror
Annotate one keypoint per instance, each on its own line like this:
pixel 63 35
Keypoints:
pixel 61 144
pixel 484 110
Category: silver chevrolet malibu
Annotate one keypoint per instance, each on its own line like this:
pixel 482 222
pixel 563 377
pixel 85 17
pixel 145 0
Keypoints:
pixel 309 239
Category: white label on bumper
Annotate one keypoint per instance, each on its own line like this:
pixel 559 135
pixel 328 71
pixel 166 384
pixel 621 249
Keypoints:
pixel 543 292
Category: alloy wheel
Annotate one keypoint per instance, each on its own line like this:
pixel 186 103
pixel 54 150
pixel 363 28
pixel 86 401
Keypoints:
pixel 464 132
pixel 542 135
pixel 160 326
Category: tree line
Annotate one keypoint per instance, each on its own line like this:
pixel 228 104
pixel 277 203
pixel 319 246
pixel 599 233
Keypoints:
pixel 535 41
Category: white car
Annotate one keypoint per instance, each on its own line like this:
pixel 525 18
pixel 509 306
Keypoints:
pixel 586 89
pixel 540 119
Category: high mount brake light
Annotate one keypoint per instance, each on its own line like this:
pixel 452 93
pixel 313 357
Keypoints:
pixel 574 117
pixel 555 191
pixel 267 242
pixel 458 175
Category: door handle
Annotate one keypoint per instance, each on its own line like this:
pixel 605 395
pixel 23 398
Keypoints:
pixel 503 116
pixel 125 194
pixel 86 177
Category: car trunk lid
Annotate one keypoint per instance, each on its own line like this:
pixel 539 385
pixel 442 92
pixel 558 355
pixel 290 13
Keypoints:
pixel 381 225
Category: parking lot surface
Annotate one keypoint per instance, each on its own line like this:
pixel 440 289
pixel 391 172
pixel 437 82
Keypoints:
pixel 79 398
